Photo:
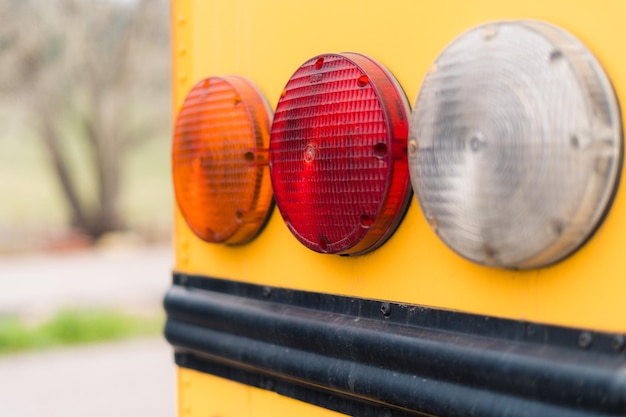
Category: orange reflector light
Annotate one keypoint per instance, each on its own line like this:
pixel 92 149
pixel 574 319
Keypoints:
pixel 219 160
pixel 338 156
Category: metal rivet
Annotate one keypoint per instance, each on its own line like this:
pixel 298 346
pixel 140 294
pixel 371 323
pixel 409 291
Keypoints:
pixel 490 32
pixel 267 292
pixel 385 308
pixel 584 340
pixel 557 226
pixel 490 254
pixel 477 142
pixel 555 55
pixel 617 343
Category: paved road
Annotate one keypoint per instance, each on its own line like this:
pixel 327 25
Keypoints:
pixel 122 379
pixel 116 277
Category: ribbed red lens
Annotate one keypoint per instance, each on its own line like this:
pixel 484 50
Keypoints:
pixel 338 157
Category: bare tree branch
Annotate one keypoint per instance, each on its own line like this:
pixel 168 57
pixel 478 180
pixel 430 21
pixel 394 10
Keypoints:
pixel 92 63
pixel 60 166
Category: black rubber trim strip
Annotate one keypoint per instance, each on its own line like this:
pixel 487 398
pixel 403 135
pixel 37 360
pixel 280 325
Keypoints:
pixel 360 356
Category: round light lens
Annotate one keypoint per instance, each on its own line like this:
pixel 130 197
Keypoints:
pixel 516 144
pixel 338 154
pixel 219 160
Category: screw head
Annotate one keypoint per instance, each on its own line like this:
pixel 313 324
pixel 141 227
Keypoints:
pixel 385 308
pixel 183 359
pixel 183 280
pixel 267 292
pixel 617 343
pixel 585 339
pixel 268 384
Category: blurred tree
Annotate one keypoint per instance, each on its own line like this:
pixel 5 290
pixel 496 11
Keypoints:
pixel 88 70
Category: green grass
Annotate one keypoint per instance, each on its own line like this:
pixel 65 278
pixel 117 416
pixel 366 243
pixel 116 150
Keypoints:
pixel 71 327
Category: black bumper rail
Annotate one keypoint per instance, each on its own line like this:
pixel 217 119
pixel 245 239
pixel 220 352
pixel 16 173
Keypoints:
pixel 365 357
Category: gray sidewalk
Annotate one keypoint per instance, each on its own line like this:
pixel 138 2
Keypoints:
pixel 122 379
pixel 130 278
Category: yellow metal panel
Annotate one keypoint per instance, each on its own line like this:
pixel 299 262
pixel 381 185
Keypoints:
pixel 267 41
pixel 202 395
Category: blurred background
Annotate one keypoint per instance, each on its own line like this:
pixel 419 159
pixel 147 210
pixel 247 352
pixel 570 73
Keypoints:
pixel 85 207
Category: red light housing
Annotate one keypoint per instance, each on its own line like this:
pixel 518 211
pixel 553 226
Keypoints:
pixel 338 154
pixel 219 160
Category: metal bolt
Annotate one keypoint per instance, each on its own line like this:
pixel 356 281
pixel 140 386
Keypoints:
pixel 490 32
pixel 555 55
pixel 584 340
pixel 267 292
pixel 477 142
pixel 617 343
pixel 490 254
pixel 385 308
pixel 557 226
pixel 309 153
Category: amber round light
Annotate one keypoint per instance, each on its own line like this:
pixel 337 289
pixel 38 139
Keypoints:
pixel 338 157
pixel 219 160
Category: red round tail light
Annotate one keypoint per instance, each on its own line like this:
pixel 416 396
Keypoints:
pixel 219 160
pixel 338 154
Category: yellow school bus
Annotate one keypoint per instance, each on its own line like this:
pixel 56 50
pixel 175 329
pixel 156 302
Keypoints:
pixel 398 208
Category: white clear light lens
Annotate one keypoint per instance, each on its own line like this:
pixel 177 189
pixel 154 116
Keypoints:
pixel 515 145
